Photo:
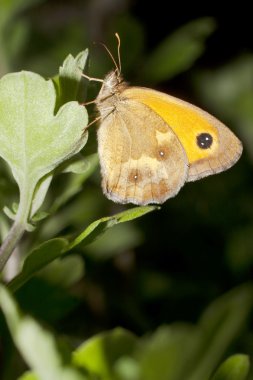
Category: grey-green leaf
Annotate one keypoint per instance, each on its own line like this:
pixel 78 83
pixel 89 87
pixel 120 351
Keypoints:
pixel 33 141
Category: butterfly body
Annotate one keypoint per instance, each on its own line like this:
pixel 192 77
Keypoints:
pixel 151 143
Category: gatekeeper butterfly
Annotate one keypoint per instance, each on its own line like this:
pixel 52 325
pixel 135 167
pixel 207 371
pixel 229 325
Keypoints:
pixel 151 143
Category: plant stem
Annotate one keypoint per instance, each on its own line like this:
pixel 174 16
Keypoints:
pixel 14 235
pixel 19 226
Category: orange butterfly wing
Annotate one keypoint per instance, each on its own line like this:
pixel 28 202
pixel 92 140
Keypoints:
pixel 189 123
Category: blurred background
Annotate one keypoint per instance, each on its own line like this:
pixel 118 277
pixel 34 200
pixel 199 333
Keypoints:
pixel 169 265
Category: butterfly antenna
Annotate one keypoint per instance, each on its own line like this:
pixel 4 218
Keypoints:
pixel 112 58
pixel 119 60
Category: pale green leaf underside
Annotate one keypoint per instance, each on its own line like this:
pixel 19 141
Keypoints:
pixel 33 140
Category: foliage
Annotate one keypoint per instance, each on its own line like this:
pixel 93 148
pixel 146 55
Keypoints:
pixel 89 296
pixel 171 352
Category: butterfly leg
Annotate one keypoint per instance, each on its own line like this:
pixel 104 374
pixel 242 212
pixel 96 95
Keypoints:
pixel 91 79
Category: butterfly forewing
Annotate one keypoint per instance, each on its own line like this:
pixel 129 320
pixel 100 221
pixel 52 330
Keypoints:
pixel 142 160
pixel 227 154
pixel 194 128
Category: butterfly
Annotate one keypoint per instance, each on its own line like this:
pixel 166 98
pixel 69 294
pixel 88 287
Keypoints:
pixel 151 143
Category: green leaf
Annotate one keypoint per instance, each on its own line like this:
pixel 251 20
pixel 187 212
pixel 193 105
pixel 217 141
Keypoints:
pixel 37 259
pixel 4 228
pixel 168 353
pixel 228 92
pixel 101 225
pixel 39 195
pixel 48 251
pixel 10 7
pixel 99 354
pixel 223 89
pixel 127 368
pixel 64 272
pixel 38 346
pixel 82 167
pixel 13 31
pixel 40 215
pixel 70 75
pixel 182 351
pixel 28 376
pixel 221 324
pixel 122 237
pixel 33 141
pixel 11 213
pixel 178 51
pixel 15 37
pixel 236 367
pixel 8 212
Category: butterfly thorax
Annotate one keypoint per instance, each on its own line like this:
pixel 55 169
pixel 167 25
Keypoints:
pixel 109 94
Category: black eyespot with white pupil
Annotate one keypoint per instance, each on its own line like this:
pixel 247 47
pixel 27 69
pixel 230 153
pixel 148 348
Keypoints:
pixel 204 140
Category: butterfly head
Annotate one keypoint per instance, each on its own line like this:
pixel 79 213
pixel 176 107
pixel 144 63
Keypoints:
pixel 113 83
